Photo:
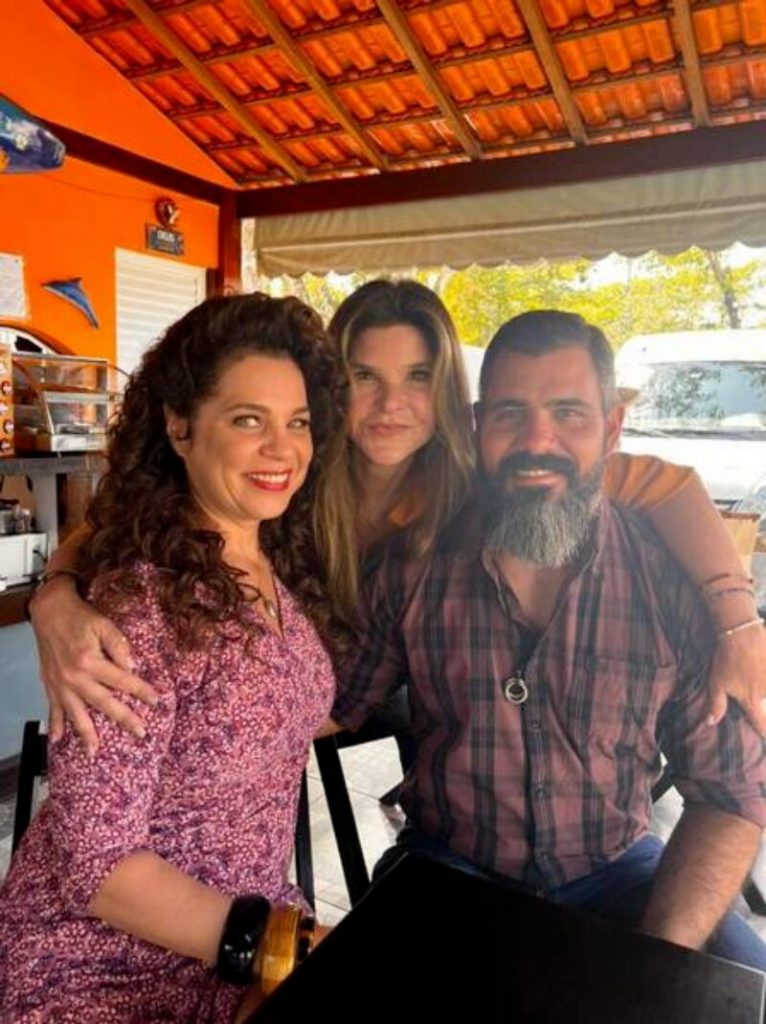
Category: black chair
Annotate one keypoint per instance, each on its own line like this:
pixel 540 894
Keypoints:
pixel 352 860
pixel 33 765
pixel 304 861
pixel 346 834
pixel 752 894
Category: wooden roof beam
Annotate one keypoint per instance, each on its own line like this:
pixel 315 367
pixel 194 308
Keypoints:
pixel 549 58
pixel 484 103
pixel 617 126
pixel 356 20
pixel 293 52
pixel 411 45
pixel 241 115
pixel 126 18
pixel 692 71
pixel 209 59
pixel 492 50
pixel 601 162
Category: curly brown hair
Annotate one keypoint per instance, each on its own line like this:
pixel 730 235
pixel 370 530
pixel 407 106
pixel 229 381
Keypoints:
pixel 143 510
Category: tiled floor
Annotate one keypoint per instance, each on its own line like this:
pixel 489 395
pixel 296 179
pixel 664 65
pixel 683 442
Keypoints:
pixel 371 770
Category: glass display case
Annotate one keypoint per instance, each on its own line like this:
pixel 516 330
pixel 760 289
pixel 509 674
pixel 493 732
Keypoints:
pixel 63 403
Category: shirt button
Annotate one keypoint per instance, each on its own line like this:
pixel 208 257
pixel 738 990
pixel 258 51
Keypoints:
pixel 540 790
pixel 535 724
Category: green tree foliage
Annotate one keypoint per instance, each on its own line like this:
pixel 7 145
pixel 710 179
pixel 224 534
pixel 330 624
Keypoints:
pixel 690 291
pixel 653 293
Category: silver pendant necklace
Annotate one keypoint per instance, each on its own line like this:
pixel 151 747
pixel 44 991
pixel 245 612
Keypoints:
pixel 269 607
pixel 515 689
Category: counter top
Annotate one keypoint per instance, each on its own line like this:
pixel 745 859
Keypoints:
pixel 51 464
pixel 13 604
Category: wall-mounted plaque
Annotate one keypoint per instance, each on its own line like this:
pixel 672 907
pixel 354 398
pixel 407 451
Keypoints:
pixel 164 240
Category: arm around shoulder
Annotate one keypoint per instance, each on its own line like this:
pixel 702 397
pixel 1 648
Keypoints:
pixel 84 658
pixel 682 512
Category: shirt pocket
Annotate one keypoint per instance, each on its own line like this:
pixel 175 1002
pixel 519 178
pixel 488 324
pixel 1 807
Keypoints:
pixel 614 703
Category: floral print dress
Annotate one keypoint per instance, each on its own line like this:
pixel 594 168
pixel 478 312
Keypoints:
pixel 212 788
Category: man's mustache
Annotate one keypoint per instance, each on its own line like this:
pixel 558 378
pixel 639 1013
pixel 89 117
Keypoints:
pixel 511 464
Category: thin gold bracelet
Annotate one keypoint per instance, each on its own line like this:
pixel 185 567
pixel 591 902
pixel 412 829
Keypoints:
pixel 710 594
pixel 737 629
pixel 725 576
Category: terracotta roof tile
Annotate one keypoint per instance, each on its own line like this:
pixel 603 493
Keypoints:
pixel 626 67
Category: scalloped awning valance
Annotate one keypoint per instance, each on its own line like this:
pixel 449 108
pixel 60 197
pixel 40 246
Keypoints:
pixel 711 207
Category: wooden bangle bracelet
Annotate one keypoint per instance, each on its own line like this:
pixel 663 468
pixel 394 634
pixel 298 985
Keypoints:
pixel 284 939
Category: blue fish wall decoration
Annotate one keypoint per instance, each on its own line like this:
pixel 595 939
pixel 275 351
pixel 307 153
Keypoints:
pixel 25 145
pixel 71 290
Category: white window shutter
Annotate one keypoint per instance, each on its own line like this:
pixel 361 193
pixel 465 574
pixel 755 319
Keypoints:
pixel 151 293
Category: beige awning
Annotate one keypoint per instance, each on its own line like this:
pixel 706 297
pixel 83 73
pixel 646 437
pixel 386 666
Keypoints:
pixel 711 207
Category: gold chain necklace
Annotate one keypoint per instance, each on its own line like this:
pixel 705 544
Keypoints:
pixel 271 608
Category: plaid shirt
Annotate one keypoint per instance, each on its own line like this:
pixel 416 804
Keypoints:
pixel 552 789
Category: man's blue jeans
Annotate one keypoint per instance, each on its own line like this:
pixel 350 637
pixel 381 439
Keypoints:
pixel 620 891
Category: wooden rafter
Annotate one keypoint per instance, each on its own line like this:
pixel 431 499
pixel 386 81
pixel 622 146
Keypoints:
pixel 295 55
pixel 181 52
pixel 125 18
pixel 549 58
pixel 676 151
pixel 489 51
pixel 354 20
pixel 411 45
pixel 692 71
pixel 362 121
pixel 481 105
pixel 220 56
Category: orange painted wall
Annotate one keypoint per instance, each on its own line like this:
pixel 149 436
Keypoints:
pixel 68 223
pixel 51 73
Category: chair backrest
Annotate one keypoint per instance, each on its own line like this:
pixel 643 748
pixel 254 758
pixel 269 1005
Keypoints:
pixel 33 765
pixel 304 861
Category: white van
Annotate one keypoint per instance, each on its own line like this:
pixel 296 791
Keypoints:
pixel 702 403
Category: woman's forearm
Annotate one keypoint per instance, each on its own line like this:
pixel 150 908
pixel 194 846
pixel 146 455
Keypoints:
pixel 696 533
pixel 65 555
pixel 149 898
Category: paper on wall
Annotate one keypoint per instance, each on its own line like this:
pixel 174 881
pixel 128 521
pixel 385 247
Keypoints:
pixel 13 294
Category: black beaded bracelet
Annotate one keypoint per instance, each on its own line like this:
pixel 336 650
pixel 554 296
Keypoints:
pixel 240 939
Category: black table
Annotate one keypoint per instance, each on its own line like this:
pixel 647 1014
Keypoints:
pixel 432 944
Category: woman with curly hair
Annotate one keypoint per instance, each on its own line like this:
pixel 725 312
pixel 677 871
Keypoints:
pixel 155 868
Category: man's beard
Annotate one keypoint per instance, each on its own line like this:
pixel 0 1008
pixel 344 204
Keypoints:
pixel 525 522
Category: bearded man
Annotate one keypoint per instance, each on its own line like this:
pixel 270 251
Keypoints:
pixel 553 652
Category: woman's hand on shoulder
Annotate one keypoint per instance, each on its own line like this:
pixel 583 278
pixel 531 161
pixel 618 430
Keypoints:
pixel 738 671
pixel 85 662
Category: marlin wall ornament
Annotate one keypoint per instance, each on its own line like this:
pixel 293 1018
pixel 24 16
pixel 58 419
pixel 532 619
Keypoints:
pixel 26 146
pixel 71 290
